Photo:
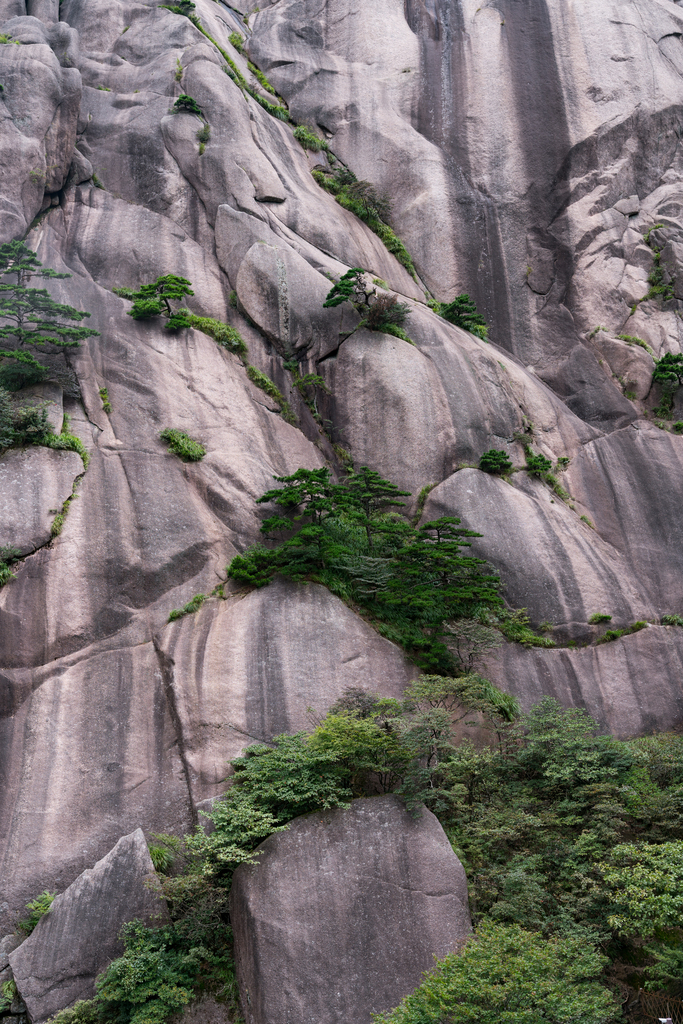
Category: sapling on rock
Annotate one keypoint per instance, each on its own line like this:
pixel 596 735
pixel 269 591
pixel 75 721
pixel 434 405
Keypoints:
pixel 495 461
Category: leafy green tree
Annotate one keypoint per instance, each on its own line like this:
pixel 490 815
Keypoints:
pixel 30 316
pixel 507 974
pixel 185 104
pixel 538 465
pixel 156 298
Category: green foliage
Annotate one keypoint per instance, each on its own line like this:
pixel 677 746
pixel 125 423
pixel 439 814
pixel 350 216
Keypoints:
pixel 261 78
pixel 203 136
pixel 8 39
pixel 266 385
pixel 37 908
pixel 349 288
pixel 538 465
pixel 668 372
pixel 678 427
pixel 236 40
pixel 8 556
pixel 30 316
pixel 599 617
pixel 186 105
pixel 164 851
pixel 156 298
pixel 59 519
pixel 188 609
pixel 178 70
pixel 672 620
pixel 387 314
pixel 8 993
pixel 184 7
pixel 410 581
pixel 631 339
pixel 616 634
pixel 223 334
pixel 182 445
pixel 14 376
pixel 164 969
pixel 508 974
pixel 516 627
pixel 85 1011
pixel 495 461
pixel 106 404
pixel 361 198
pixel 309 139
pixel 463 313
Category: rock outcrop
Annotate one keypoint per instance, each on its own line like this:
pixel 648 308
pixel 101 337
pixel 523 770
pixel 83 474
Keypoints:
pixel 79 936
pixel 344 912
pixel 552 199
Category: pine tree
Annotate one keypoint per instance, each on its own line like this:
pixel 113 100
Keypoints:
pixel 155 299
pixel 463 313
pixel 30 316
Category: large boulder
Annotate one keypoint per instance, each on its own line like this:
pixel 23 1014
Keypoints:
pixel 344 912
pixel 79 937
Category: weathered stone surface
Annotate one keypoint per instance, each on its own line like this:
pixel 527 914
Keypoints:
pixel 34 483
pixel 70 945
pixel 344 912
pixel 550 561
pixel 205 1011
pixel 631 686
pixel 8 943
pixel 284 649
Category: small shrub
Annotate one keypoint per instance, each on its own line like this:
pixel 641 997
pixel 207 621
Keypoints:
pixel 387 314
pixel 8 555
pixel 678 427
pixel 309 139
pixel 37 908
pixel 96 182
pixel 599 617
pixel 178 70
pixel 85 1011
pixel 538 465
pixel 182 445
pixel 223 334
pixel 463 313
pixel 164 851
pixel 265 384
pixel 188 609
pixel 185 104
pixel 495 461
pixel 261 78
pixel 672 620
pixel 69 443
pixel 274 109
pixel 8 39
pixel 562 463
pixel 631 339
pixel 587 521
pixel 616 634
pixel 203 136
pixel 106 404
pixel 236 40
pixel 515 626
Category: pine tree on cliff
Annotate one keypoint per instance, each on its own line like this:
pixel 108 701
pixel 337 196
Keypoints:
pixel 30 317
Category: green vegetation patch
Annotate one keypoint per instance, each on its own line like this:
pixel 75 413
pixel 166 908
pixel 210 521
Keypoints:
pixel 463 313
pixel 190 608
pixel 182 445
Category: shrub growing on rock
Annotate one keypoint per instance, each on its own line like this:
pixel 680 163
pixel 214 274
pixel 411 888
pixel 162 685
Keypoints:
pixel 182 445
pixel 308 138
pixel 463 313
pixel 495 461
pixel 8 556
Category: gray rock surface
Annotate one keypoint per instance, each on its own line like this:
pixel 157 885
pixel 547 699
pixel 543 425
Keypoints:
pixel 539 197
pixel 79 936
pixel 366 898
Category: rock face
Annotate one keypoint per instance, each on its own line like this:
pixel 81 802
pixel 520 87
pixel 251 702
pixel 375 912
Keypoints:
pixel 79 936
pixel 344 912
pixel 555 200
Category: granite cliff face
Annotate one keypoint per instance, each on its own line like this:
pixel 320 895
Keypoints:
pixel 528 149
